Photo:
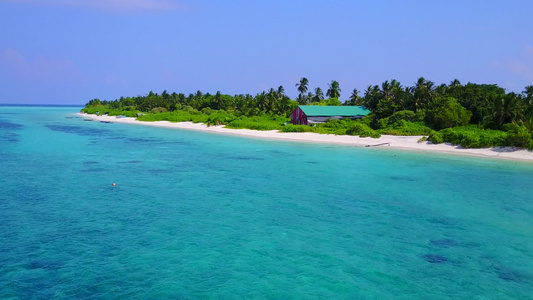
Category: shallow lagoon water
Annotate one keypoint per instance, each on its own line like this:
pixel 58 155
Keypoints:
pixel 197 215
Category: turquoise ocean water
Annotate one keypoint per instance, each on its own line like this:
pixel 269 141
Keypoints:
pixel 204 216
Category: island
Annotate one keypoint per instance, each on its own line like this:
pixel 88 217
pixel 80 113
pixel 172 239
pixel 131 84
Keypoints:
pixel 472 119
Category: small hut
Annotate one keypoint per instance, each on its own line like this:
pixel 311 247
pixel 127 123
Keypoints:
pixel 311 114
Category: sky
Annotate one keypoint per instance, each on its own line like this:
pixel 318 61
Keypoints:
pixel 72 51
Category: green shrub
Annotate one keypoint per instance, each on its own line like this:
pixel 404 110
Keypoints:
pixel 175 116
pixel 156 110
pixel 333 102
pixel 220 117
pixel 131 114
pixel 334 126
pixel 382 123
pixel 407 115
pixel 265 122
pixel 446 112
pixel 296 128
pixel 207 111
pixel 490 138
pixel 470 140
pixel 368 119
pixel 128 111
pixel 473 137
pixel 91 109
pixel 436 137
pixel 191 110
pixel 402 127
pixel 517 135
pixel 362 130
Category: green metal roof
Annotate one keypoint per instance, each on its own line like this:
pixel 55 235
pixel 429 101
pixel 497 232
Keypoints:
pixel 343 111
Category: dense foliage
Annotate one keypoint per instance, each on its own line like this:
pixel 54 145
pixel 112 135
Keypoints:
pixel 471 115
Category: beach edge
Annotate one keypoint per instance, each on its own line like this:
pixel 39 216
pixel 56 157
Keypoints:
pixel 408 143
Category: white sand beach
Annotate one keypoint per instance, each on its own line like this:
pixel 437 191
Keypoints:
pixel 389 141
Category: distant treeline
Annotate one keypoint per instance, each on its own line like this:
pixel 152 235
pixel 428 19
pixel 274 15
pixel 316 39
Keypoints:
pixel 473 115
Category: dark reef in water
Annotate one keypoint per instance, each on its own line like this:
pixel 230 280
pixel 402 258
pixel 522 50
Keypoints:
pixel 5 125
pixel 42 264
pixel 244 157
pixel 7 131
pixel 509 274
pixel 77 130
pixel 142 140
pixel 9 137
pixel 93 170
pixel 130 162
pixel 435 258
pixel 402 178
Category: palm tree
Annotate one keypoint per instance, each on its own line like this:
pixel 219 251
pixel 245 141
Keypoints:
pixel 395 85
pixel 423 93
pixel 302 85
pixel 310 96
pixel 398 94
pixel 508 109
pixel 319 95
pixel 334 90
pixel 198 94
pixel 272 100
pixel 281 91
pixel 261 101
pixel 386 89
pixel 528 94
pixel 218 100
pixel 372 97
pixel 441 89
pixel 302 88
pixel 240 103
pixel 249 104
pixel 302 99
pixel 455 82
pixel 354 98
pixel 165 95
pixel 284 105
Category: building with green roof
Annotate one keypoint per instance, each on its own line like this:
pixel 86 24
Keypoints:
pixel 312 114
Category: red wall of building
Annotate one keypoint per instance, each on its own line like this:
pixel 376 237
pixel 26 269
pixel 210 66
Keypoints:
pixel 298 117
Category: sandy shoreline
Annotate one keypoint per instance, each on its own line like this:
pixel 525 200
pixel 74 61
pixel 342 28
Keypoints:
pixel 398 142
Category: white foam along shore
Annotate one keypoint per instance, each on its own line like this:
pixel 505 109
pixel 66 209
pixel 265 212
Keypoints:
pixel 392 141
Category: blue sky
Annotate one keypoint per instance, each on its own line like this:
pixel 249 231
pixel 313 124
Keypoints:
pixel 71 51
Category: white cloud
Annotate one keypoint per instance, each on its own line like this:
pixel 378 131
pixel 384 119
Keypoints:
pixel 108 5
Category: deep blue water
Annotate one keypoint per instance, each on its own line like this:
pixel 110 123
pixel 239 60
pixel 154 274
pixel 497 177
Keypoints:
pixel 203 216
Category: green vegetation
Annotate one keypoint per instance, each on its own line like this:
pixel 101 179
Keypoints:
pixel 258 122
pixel 470 137
pixel 297 128
pixel 127 111
pixel 471 115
